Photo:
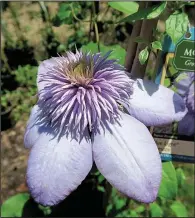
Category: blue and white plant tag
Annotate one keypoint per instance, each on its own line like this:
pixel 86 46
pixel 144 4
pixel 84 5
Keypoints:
pixel 175 59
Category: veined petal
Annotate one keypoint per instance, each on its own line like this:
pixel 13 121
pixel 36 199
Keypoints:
pixel 129 159
pixel 56 167
pixel 155 105
pixel 183 82
pixel 44 67
pixel 186 125
pixel 32 134
pixel 190 98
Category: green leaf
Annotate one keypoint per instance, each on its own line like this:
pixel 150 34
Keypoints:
pixel 100 179
pixel 21 205
pixel 156 210
pixel 167 82
pixel 125 7
pixel 91 47
pixel 133 214
pixel 64 14
pixel 109 208
pixel 117 51
pixel 124 213
pixel 139 209
pixel 157 45
pixel 176 26
pixel 179 209
pixel 169 186
pixel 61 48
pixel 13 207
pixel 146 13
pixel 100 188
pixel 64 11
pixel 143 56
pixel 120 203
pixel 46 210
pixel 180 177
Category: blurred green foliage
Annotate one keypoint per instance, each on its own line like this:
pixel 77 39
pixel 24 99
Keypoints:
pixel 13 207
pixel 168 188
pixel 20 100
pixel 117 53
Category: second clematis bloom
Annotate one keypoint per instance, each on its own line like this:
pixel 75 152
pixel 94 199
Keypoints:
pixel 184 85
pixel 89 110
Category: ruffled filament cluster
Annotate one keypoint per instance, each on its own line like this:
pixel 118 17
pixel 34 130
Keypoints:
pixel 82 91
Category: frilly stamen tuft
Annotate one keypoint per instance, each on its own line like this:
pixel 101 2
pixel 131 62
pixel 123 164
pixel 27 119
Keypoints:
pixel 82 91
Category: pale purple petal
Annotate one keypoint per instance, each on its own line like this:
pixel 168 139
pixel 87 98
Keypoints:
pixel 183 82
pixel 44 67
pixel 129 159
pixel 186 125
pixel 56 167
pixel 155 105
pixel 31 132
pixel 190 99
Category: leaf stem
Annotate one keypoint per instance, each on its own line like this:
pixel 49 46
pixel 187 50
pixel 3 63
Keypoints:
pixel 95 26
pixel 75 17
pixel 90 26
pixel 147 207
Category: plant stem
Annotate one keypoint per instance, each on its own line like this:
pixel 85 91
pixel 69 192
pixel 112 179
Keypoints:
pixel 6 34
pixel 4 58
pixel 90 26
pixel 75 17
pixel 44 9
pixel 95 26
pixel 147 207
pixel 97 35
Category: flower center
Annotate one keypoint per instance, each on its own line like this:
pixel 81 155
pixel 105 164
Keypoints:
pixel 83 91
pixel 81 73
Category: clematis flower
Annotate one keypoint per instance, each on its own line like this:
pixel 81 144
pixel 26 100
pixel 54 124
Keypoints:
pixel 184 84
pixel 89 110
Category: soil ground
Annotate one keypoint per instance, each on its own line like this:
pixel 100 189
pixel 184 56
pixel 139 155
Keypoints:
pixel 13 161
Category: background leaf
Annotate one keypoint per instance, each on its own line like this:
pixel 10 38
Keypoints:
pixel 117 51
pixel 64 14
pixel 146 13
pixel 22 205
pixel 156 210
pixel 169 186
pixel 167 82
pixel 125 7
pixel 176 26
pixel 180 177
pixel 13 206
pixel 157 45
pixel 179 209
pixel 143 56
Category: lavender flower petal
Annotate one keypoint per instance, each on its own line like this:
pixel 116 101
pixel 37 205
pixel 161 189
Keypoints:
pixel 56 167
pixel 183 82
pixel 44 67
pixel 31 133
pixel 186 125
pixel 129 159
pixel 190 99
pixel 155 105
